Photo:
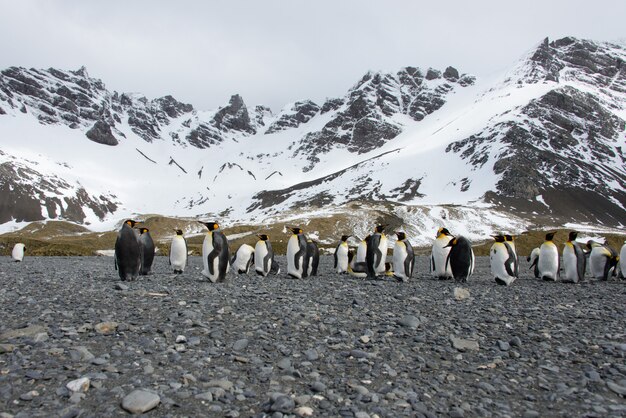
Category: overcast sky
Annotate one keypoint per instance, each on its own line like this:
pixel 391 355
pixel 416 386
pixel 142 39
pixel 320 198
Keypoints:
pixel 277 52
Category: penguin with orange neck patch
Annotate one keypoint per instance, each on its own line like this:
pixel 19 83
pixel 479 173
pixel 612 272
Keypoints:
pixel 215 253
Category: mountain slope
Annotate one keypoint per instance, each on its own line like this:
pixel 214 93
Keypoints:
pixel 543 141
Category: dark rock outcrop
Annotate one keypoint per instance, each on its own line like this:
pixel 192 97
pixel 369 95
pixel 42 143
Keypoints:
pixel 101 133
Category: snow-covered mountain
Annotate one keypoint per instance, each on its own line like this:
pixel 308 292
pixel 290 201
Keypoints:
pixel 543 142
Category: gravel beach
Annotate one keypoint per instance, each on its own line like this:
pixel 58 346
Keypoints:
pixel 76 341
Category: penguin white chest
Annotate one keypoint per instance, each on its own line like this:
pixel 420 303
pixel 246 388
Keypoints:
pixel 18 252
pixel 342 258
pixel 293 247
pixel 260 252
pixel 439 256
pixel 399 256
pixel 570 263
pixel 498 255
pixel 178 253
pixel 207 247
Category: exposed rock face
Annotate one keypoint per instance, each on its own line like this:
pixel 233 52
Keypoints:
pixel 299 113
pixel 101 133
pixel 234 117
pixel 31 196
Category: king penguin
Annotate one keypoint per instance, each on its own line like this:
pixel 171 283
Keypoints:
pixel 341 256
pixel 313 253
pixel 376 255
pixel 602 260
pixel 215 253
pixel 622 261
pixel 533 259
pixel 243 259
pixel 460 258
pixel 263 255
pixel 178 252
pixel 503 261
pixel 18 252
pixel 548 262
pixel 297 254
pixel 439 255
pixel 574 260
pixel 403 258
pixel 146 249
pixel 127 252
pixel 361 251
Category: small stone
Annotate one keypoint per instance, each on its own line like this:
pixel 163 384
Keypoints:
pixel 181 339
pixel 76 397
pixel 620 390
pixel 107 327
pixel 318 387
pixel 516 342
pixel 284 363
pixel 79 385
pixel 311 354
pixel 40 337
pixel 220 383
pixel 7 348
pixel 121 286
pixel 282 404
pixel 29 331
pixel 140 401
pixel 503 345
pixel 361 414
pixel 364 339
pixel 462 344
pixel 457 413
pixel 461 293
pixel 304 411
pixel 409 321
pixel 240 345
pixel 29 396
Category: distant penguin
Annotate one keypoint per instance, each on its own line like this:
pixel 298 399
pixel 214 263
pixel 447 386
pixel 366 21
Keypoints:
pixel 18 252
pixel 263 255
pixel 503 261
pixel 602 260
pixel 313 253
pixel 178 252
pixel 215 253
pixel 341 255
pixel 376 255
pixel 460 258
pixel 403 258
pixel 127 252
pixel 146 249
pixel 243 259
pixel 361 251
pixel 439 255
pixel 574 260
pixel 548 262
pixel 533 259
pixel 297 254
pixel 622 261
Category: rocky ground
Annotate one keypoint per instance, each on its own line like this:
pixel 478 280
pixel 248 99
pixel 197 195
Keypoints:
pixel 75 341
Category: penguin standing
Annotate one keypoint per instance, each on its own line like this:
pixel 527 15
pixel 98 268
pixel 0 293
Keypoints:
pixel 602 260
pixel 503 261
pixel 403 258
pixel 341 255
pixel 460 258
pixel 574 260
pixel 361 251
pixel 146 249
pixel 215 253
pixel 548 262
pixel 622 261
pixel 178 252
pixel 313 253
pixel 243 259
pixel 439 255
pixel 127 252
pixel 297 254
pixel 533 258
pixel 18 252
pixel 376 255
pixel 510 241
pixel 263 255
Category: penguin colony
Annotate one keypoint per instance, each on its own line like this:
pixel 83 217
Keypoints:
pixel 451 256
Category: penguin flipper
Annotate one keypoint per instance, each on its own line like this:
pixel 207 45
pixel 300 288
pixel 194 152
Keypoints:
pixel 336 259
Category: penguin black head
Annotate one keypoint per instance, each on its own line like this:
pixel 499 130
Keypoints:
pixel 550 236
pixel 442 231
pixel 401 236
pixel 380 228
pixel 572 236
pixel 263 237
pixel 211 225
pixel 296 230
pixel 179 231
pixel 499 238
pixel 130 223
pixel 508 238
pixel 143 230
pixel 344 238
pixel 367 239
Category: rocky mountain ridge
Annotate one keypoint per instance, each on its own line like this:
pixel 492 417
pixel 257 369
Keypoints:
pixel 546 139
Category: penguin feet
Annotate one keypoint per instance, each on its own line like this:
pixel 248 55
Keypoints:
pixel 500 281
